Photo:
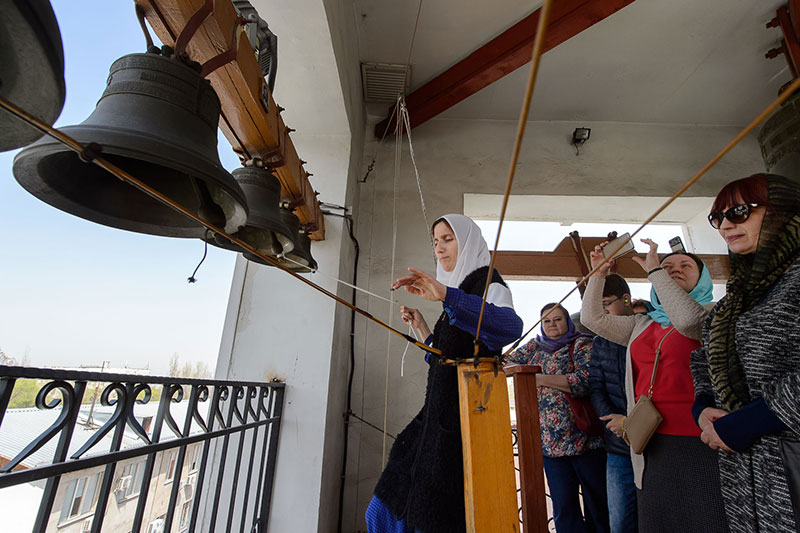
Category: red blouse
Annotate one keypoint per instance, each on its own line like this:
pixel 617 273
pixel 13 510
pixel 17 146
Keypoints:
pixel 673 393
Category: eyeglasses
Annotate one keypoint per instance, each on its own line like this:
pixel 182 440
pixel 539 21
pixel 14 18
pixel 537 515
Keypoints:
pixel 608 303
pixel 736 215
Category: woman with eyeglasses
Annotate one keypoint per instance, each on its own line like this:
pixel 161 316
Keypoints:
pixel 677 476
pixel 574 459
pixel 747 373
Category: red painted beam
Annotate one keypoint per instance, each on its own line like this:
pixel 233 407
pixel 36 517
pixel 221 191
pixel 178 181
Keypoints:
pixel 500 56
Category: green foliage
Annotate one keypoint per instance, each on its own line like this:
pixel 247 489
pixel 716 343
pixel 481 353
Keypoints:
pixel 24 394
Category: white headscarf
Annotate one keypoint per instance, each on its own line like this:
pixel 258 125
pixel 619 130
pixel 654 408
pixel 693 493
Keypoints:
pixel 473 253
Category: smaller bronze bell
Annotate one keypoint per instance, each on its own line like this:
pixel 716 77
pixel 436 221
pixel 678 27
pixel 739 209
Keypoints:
pixel 265 229
pixel 299 259
pixel 302 254
pixel 31 68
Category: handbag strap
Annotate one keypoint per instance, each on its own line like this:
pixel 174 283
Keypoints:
pixel 655 363
pixel 572 355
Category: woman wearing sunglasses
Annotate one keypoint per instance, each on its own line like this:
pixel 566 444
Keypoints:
pixel 747 372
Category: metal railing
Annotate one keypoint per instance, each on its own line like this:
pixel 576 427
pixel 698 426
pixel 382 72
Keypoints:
pixel 241 416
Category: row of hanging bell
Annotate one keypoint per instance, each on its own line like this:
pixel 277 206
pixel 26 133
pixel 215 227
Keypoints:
pixel 270 229
pixel 31 68
pixel 157 120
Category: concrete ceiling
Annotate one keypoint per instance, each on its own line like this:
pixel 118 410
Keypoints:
pixel 655 61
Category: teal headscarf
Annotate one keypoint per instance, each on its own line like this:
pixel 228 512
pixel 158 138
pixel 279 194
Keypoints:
pixel 702 293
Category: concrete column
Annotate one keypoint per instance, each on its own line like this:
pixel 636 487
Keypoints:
pixel 277 327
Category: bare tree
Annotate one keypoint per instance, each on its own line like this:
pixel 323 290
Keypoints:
pixel 7 360
pixel 198 369
pixel 26 356
pixel 174 369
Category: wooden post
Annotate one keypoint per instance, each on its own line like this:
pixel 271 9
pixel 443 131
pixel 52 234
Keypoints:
pixel 490 488
pixel 529 446
pixel 580 256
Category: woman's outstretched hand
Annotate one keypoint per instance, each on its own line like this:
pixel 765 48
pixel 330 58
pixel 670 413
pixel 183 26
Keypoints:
pixel 414 318
pixel 596 257
pixel 650 261
pixel 422 284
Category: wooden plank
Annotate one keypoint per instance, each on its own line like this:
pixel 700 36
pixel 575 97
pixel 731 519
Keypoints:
pixel 529 448
pixel 552 267
pixel 500 56
pixel 252 130
pixel 562 265
pixel 490 488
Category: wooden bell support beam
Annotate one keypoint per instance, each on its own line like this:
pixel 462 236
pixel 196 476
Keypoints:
pixel 500 56
pixel 253 128
pixel 529 446
pixel 490 490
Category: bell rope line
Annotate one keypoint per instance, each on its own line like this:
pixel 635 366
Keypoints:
pixel 398 150
pixel 334 278
pixel 789 91
pixel 89 155
pixel 538 48
pixel 407 122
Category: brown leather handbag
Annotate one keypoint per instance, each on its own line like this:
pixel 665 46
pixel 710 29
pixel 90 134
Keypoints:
pixel 586 418
pixel 644 418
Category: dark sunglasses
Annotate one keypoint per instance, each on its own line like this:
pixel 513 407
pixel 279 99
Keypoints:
pixel 736 215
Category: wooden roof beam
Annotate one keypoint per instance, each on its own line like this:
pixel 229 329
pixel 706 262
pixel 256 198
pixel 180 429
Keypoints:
pixel 252 129
pixel 500 56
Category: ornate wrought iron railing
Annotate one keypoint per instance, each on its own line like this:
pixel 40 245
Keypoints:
pixel 241 416
pixel 551 526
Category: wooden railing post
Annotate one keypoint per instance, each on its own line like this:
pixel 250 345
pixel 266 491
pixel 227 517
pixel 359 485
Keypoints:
pixel 490 490
pixel 529 446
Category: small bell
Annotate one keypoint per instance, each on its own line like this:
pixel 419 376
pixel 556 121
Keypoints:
pixel 299 258
pixel 265 229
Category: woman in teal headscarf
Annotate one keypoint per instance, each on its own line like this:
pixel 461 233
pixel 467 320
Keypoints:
pixel 678 488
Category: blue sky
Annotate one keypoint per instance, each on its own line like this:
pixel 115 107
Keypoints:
pixel 74 292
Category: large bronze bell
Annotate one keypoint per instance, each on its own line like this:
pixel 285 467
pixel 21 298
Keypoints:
pixel 31 68
pixel 299 259
pixel 157 120
pixel 265 229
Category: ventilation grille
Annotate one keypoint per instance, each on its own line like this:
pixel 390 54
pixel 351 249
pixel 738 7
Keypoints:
pixel 383 82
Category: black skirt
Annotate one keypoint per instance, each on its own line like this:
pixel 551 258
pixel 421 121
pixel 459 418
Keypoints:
pixel 680 488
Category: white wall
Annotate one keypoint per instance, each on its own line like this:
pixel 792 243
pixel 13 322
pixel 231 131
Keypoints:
pixel 277 327
pixel 457 157
pixel 702 237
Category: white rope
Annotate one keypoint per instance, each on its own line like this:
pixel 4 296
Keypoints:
pixel 397 153
pixel 315 271
pixel 406 121
pixel 403 359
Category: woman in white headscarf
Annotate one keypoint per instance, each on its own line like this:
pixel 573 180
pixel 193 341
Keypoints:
pixel 422 487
